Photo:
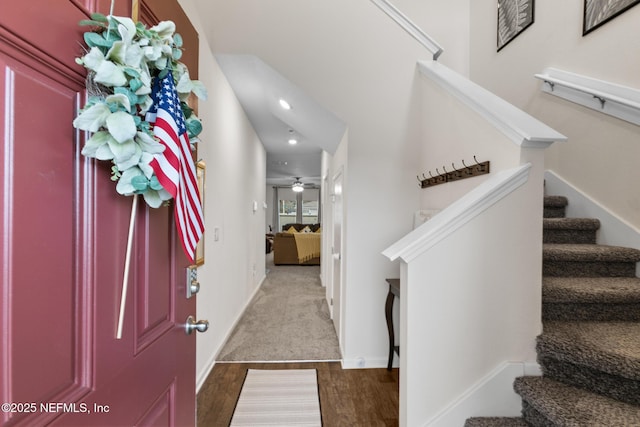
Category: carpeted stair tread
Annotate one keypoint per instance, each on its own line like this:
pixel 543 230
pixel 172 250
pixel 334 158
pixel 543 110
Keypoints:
pixel 569 230
pixel 555 201
pixel 564 405
pixel 611 347
pixel 496 422
pixel 571 223
pixel 606 290
pixel 589 253
pixel 554 206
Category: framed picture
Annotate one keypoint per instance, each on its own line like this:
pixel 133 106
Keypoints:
pixel 599 12
pixel 200 169
pixel 514 16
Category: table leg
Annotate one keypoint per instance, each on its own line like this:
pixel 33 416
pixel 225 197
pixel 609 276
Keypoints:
pixel 388 308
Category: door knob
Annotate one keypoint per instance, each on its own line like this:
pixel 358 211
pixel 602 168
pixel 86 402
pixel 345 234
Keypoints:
pixel 200 325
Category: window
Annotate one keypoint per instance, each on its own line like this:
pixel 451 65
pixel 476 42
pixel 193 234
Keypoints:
pixel 299 208
pixel 309 209
pixel 287 211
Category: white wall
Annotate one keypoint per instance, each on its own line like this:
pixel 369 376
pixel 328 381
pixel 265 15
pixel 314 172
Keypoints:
pixel 600 157
pixel 235 179
pixel 454 137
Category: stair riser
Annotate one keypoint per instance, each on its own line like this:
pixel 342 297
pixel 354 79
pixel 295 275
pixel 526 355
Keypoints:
pixel 495 422
pixel 588 269
pixel 616 387
pixel 550 212
pixel 591 312
pixel 533 417
pixel 569 236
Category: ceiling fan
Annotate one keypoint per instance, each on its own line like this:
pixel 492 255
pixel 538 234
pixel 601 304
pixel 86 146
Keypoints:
pixel 297 185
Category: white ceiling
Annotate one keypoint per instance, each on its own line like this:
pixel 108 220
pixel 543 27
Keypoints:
pixel 259 88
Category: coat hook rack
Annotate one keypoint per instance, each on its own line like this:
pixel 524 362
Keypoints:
pixel 479 168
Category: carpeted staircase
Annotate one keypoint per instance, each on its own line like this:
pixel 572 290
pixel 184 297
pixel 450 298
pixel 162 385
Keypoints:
pixel 589 350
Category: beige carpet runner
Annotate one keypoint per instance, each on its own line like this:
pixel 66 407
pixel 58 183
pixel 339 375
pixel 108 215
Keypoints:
pixel 285 397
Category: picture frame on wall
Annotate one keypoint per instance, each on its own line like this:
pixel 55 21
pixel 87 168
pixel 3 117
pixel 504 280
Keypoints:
pixel 514 16
pixel 599 12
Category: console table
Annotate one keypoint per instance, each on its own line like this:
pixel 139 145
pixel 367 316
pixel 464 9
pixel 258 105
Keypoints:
pixel 394 291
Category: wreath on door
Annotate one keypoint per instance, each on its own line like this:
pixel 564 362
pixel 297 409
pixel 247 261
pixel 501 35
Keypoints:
pixel 123 58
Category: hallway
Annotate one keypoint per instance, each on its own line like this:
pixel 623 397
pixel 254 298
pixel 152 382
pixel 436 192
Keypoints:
pixel 287 320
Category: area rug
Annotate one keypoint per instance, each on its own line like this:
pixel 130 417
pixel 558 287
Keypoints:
pixel 284 397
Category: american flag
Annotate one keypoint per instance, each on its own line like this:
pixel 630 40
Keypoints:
pixel 174 167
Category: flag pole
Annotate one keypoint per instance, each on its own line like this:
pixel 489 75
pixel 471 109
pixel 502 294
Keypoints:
pixel 127 262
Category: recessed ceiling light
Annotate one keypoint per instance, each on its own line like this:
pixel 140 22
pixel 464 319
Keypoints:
pixel 284 104
pixel 293 141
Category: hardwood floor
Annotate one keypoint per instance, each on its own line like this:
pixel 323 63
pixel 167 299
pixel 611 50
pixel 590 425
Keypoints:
pixel 348 397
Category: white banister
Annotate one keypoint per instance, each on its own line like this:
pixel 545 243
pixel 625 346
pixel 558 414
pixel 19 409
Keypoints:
pixel 411 28
pixel 523 129
pixel 615 100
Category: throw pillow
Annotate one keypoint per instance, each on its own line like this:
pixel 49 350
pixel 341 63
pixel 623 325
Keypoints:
pixel 292 230
pixel 306 230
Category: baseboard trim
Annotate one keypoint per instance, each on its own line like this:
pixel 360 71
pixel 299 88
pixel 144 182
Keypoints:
pixel 492 395
pixel 205 374
pixel 360 363
pixel 212 360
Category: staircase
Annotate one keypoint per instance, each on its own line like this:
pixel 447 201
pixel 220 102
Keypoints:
pixel 589 350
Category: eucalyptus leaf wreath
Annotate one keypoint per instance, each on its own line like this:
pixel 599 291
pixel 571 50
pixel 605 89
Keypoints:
pixel 122 59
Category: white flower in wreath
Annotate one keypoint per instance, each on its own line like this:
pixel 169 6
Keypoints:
pixel 122 58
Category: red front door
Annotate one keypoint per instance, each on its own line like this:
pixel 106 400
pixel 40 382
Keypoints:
pixel 62 243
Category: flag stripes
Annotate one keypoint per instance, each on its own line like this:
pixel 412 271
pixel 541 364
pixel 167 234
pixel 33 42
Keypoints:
pixel 174 167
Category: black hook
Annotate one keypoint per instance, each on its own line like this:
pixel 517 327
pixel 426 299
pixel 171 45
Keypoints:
pixel 455 172
pixel 601 99
pixel 469 169
pixel 481 167
pixel 551 84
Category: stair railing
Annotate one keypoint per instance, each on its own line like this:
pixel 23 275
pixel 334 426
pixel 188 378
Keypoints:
pixel 416 32
pixel 605 97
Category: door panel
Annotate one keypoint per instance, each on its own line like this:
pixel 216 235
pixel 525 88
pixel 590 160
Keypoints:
pixel 155 297
pixel 39 172
pixel 160 412
pixel 63 242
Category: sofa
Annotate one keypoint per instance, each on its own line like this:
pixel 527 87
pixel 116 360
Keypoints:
pixel 285 245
